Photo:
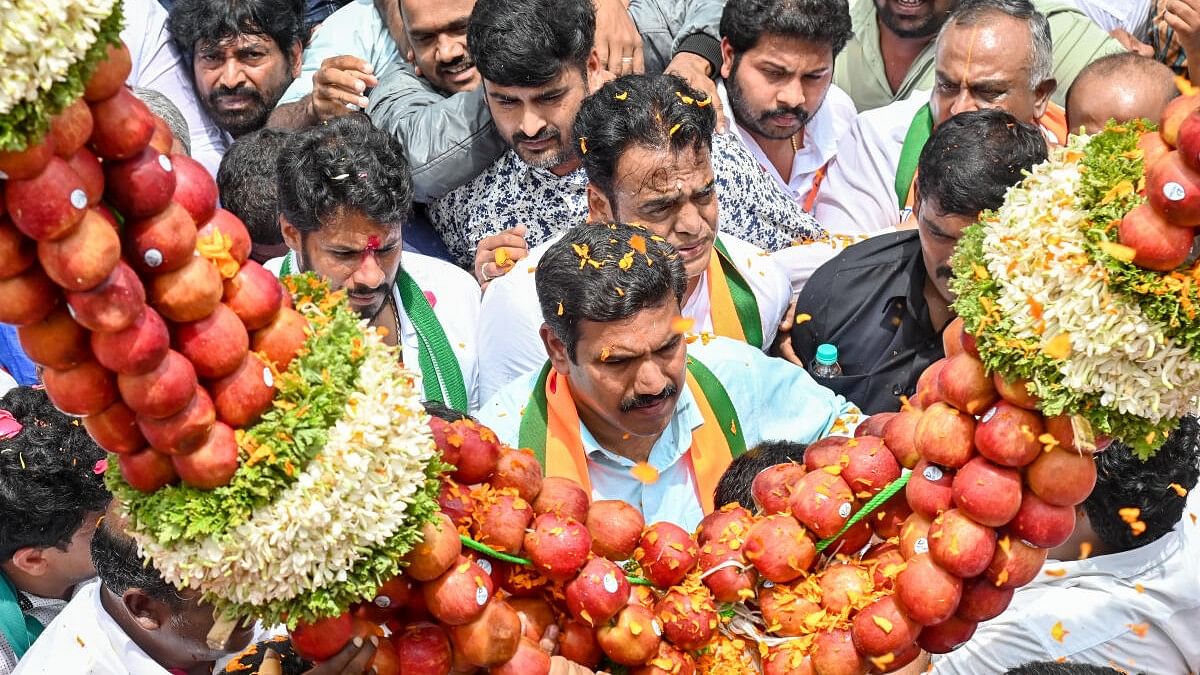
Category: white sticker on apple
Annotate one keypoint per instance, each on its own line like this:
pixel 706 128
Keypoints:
pixel 932 473
pixel 610 583
pixel 485 565
pixel 657 628
pixel 1174 191
pixel 165 163
pixel 768 584
pixel 844 510
pixel 989 414
pixel 152 257
pixel 383 601
pixel 3 176
pixel 268 378
pixel 921 545
pixel 78 198
pixel 481 596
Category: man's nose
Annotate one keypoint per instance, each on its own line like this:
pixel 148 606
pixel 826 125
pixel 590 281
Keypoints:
pixel 790 95
pixel 232 74
pixel 448 49
pixel 964 102
pixel 368 274
pixel 651 379
pixel 531 122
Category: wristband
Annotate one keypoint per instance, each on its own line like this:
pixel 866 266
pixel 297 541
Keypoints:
pixel 706 47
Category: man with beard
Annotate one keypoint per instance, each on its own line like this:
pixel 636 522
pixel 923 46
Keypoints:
pixel 344 196
pixel 892 52
pixel 626 394
pixel 884 302
pixel 244 54
pixel 537 62
pixel 778 74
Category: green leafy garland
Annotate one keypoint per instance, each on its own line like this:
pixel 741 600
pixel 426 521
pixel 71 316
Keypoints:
pixel 310 399
pixel 29 121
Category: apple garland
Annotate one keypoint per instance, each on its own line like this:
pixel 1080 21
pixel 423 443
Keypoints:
pixel 1053 296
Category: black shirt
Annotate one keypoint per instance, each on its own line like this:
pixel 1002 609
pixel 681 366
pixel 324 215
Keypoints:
pixel 869 302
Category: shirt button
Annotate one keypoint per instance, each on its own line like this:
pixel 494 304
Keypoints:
pixel 897 390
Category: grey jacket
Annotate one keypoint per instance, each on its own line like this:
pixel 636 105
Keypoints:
pixel 451 139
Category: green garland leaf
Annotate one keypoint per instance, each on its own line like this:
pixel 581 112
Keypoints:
pixel 311 397
pixel 27 122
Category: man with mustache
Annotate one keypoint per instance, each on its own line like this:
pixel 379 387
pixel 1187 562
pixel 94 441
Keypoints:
pixel 631 406
pixel 243 53
pixel 778 85
pixel 344 197
pixel 884 302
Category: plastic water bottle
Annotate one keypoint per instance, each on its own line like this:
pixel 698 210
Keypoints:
pixel 826 362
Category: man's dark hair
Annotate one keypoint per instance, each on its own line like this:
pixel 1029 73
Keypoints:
pixel 581 277
pixel 1124 481
pixel 211 21
pixel 528 43
pixel 246 179
pixel 48 479
pixel 343 164
pixel 444 412
pixel 648 111
pixel 1064 668
pixel 735 483
pixel 973 158
pixel 825 22
pixel 115 556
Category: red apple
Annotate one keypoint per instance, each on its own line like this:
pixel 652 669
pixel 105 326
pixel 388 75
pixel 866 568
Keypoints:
pixel 70 129
pixel 195 189
pixel 1008 435
pixel 727 523
pixel 834 654
pixel 189 293
pixel 161 243
pixel 17 252
pixel 987 493
pixel 85 165
pixel 230 226
pixel 455 500
pixel 56 341
pixel 823 503
pixel 952 337
pixel 438 549
pixel 982 600
pixel 147 470
pixel 1188 142
pixel 927 392
pixel 558 545
pixel 871 466
pixel 771 489
pixel 1062 477
pixel 27 163
pixel 245 394
pixel 779 548
pixel 136 349
pixel 321 640
pixel 48 205
pixel 536 615
pixel 113 305
pixel 960 545
pixel 163 140
pixel 964 383
pixel 788 609
pixel 633 639
pixel 211 465
pixel 885 560
pixel 254 294
pixel 123 126
pixel 730 583
pixel 216 345
pixel 281 341
pixel 85 389
pixel 577 643
pixel 927 593
pixel 844 585
pixel 140 186
pixel 688 618
pixel 914 535
pixel 109 76
pixel 501 517
pixel 946 436
pixel 874 425
pixel 460 594
pixel 474 451
pixel 423 647
pixel 882 627
pixel 670 660
pixel 598 592
pixel 1174 190
pixel 1042 524
pixel 946 636
pixel 1153 148
pixel 1015 391
pixel 1015 564
pixel 529 659
pixel 615 526
pixel 183 432
pixel 162 391
pixel 84 257
pixel 115 429
pixel 900 436
pixel 559 495
pixel 666 553
pixel 1157 244
pixel 828 451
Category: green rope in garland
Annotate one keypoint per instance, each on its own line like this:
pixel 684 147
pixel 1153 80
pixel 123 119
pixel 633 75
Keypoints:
pixel 493 553
pixel 867 509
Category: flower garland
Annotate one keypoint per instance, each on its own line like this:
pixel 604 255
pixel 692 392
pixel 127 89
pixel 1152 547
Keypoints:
pixel 48 50
pixel 352 498
pixel 1035 291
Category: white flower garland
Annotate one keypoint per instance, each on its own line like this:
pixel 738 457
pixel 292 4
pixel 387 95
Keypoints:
pixel 353 496
pixel 40 40
pixel 1037 251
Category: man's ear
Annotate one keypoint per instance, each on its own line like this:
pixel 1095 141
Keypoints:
pixel 150 614
pixel 1041 96
pixel 726 58
pixel 297 53
pixel 555 349
pixel 291 235
pixel 31 561
pixel 596 76
pixel 599 209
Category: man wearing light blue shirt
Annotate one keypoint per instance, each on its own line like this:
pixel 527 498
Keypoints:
pixel 626 388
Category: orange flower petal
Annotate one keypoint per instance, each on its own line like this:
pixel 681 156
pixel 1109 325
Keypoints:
pixel 645 473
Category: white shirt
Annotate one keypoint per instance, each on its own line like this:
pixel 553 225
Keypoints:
pixel 774 400
pixel 821 136
pixel 1099 606
pixel 454 295
pixel 158 66
pixel 6 382
pixel 356 30
pixel 85 640
pixel 1131 15
pixel 510 316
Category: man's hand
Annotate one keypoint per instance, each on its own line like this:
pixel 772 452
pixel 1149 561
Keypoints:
pixel 783 339
pixel 558 665
pixel 618 42
pixel 695 70
pixel 354 659
pixel 1131 43
pixel 497 254
pixel 1183 16
pixel 340 81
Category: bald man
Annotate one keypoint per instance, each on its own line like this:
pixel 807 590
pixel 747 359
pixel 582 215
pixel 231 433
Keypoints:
pixel 1121 87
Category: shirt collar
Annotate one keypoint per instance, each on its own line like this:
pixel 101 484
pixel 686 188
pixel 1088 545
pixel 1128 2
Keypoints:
pixel 668 448
pixel 1124 565
pixel 511 161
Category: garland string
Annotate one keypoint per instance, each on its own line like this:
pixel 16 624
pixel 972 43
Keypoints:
pixel 867 509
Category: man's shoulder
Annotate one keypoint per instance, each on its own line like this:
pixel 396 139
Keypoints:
pixel 884 249
pixel 434 275
pixel 890 123
pixel 357 18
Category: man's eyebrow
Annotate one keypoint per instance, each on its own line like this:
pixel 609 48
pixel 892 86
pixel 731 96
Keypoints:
pixel 659 203
pixel 452 27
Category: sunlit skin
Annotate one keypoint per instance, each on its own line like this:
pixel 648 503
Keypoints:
pixel 52 572
pixel 626 378
pixel 353 252
pixel 673 195
pixel 939 235
pixel 240 79
pixel 437 36
pixel 775 88
pixel 905 31
pixel 976 70
pixel 536 121
pixel 1123 97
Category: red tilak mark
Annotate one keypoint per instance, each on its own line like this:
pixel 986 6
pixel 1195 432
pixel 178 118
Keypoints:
pixel 372 243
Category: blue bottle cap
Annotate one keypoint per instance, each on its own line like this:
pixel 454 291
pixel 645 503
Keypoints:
pixel 827 354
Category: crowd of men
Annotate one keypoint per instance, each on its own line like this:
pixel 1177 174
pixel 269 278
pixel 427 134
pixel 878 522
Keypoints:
pixel 640 219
